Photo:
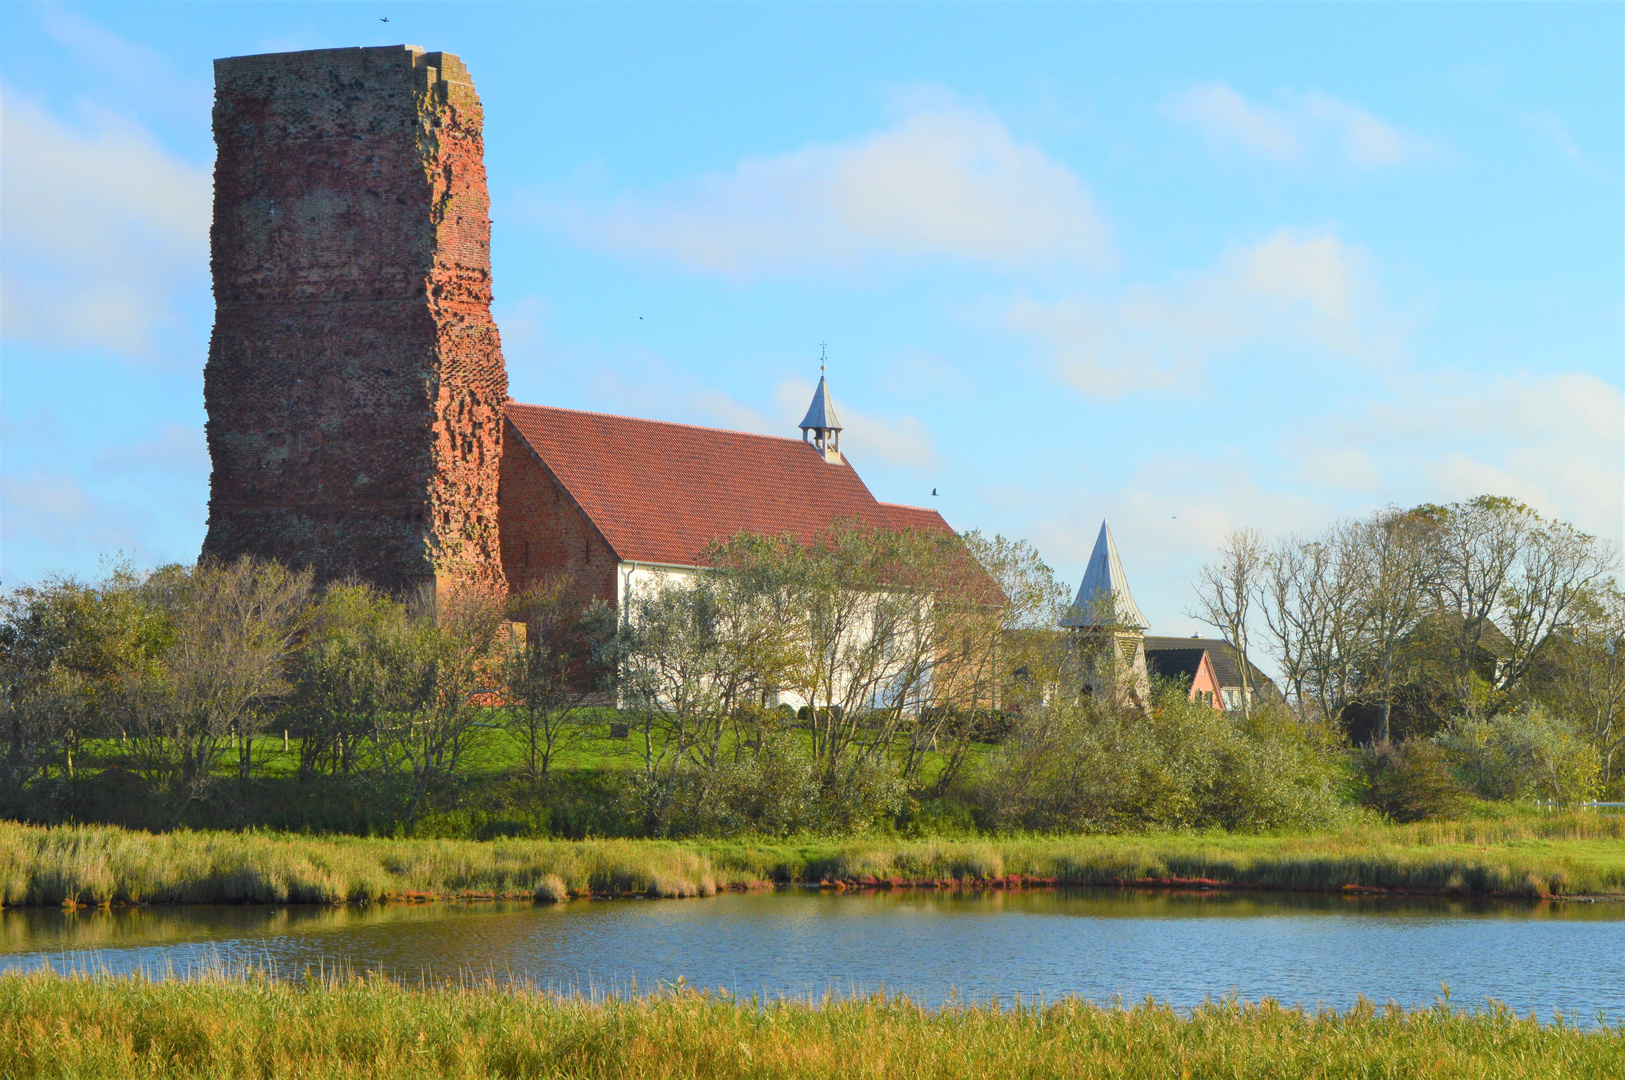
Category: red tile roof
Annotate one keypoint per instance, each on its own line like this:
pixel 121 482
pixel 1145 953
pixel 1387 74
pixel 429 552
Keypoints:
pixel 661 492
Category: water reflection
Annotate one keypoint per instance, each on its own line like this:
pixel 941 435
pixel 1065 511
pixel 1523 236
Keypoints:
pixel 1098 944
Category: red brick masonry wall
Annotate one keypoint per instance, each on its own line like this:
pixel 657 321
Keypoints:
pixel 355 382
pixel 544 534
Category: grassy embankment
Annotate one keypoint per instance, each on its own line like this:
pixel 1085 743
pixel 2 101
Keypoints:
pixel 125 1028
pixel 1534 856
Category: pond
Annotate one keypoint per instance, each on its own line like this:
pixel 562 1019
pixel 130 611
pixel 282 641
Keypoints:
pixel 1098 944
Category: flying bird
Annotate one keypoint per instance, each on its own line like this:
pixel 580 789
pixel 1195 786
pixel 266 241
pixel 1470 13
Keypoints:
pixel 933 491
pixel 384 19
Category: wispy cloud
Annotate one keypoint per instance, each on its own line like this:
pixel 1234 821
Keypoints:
pixel 178 449
pixel 946 181
pixel 1288 289
pixel 1552 126
pixel 103 230
pixel 1555 440
pixel 140 73
pixel 1297 127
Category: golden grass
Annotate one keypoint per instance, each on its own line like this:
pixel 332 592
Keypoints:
pixel 1557 855
pixel 82 1027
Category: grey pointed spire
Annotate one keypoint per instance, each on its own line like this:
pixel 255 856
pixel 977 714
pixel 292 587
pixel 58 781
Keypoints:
pixel 822 426
pixel 821 413
pixel 1103 598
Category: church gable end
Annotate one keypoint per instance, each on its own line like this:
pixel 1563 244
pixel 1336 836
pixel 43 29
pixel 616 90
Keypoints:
pixel 545 536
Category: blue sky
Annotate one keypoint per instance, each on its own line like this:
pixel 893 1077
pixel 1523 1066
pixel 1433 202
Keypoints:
pixel 1186 268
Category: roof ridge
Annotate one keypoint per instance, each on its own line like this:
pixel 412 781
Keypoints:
pixel 646 420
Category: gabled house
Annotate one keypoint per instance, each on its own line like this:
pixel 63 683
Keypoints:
pixel 1209 667
pixel 1189 667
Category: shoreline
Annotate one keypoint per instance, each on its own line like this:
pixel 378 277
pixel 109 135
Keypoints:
pixel 858 887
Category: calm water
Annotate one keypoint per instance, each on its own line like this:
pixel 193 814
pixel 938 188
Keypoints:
pixel 1096 944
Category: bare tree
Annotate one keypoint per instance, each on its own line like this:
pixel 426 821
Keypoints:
pixel 1390 559
pixel 1494 562
pixel 232 629
pixel 1310 600
pixel 1225 593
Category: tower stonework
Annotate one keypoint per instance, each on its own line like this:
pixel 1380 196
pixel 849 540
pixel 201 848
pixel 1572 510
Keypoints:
pixel 355 385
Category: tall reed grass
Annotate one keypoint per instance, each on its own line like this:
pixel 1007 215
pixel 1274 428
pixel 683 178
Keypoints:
pixel 1558 855
pixel 90 1027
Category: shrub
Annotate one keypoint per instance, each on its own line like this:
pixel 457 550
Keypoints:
pixel 1410 781
pixel 1094 768
pixel 1526 754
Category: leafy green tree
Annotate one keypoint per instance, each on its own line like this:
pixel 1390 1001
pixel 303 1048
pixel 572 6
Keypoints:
pixel 1524 754
pixel 67 652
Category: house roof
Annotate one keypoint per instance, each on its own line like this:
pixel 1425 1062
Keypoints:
pixel 1103 597
pixel 1226 662
pixel 1492 640
pixel 1182 664
pixel 662 492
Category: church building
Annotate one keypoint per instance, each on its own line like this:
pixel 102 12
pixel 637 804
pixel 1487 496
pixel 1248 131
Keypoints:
pixel 610 501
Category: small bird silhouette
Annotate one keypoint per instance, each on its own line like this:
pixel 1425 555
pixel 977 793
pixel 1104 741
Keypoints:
pixel 384 19
pixel 933 491
pixel 640 318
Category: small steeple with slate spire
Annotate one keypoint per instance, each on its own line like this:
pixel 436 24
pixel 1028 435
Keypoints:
pixel 1104 598
pixel 820 426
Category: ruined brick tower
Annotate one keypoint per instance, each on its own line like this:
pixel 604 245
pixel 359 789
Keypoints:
pixel 355 384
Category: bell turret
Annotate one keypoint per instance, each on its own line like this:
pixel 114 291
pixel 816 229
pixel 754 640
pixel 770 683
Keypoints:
pixel 820 426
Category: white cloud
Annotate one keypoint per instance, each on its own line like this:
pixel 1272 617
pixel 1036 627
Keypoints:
pixel 103 231
pixel 140 72
pixel 1552 126
pixel 1298 126
pixel 1228 119
pixel 1556 441
pixel 1289 289
pixel 947 180
pixel 1337 468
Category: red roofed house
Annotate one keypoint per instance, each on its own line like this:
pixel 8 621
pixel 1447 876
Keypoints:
pixel 613 502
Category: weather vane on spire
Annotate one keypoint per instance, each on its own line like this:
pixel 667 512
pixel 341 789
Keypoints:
pixel 823 351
